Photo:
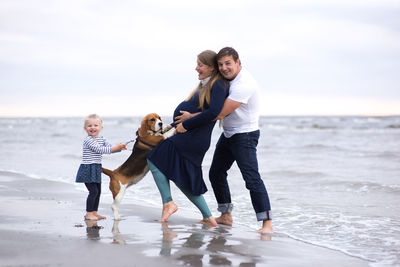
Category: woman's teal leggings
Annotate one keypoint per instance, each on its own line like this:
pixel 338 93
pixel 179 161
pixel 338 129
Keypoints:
pixel 162 183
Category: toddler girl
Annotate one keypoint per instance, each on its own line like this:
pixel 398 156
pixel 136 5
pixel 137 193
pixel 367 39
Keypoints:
pixel 90 169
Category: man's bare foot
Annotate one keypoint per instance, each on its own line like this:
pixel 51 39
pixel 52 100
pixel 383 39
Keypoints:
pixel 169 208
pixel 225 218
pixel 209 221
pixel 100 217
pixel 266 228
pixel 91 216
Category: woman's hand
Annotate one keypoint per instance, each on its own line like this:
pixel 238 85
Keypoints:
pixel 185 115
pixel 180 129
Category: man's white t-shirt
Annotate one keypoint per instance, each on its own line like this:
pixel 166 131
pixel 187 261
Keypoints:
pixel 243 89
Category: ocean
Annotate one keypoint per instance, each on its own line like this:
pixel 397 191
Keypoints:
pixel 333 181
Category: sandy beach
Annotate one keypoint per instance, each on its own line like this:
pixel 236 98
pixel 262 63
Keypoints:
pixel 41 224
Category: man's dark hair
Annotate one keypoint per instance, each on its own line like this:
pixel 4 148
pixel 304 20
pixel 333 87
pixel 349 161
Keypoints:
pixel 228 51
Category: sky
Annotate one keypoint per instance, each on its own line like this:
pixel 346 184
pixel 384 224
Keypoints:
pixel 129 58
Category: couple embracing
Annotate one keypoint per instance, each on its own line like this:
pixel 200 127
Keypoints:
pixel 226 91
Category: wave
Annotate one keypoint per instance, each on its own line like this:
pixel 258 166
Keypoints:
pixel 323 127
pixel 366 187
pixel 386 155
pixel 313 228
pixel 18 174
pixel 291 173
pixel 71 156
pixel 393 126
pixel 322 146
pixel 57 135
pixel 344 232
pixel 329 123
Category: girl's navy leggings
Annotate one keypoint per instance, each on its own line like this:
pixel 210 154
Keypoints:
pixel 93 199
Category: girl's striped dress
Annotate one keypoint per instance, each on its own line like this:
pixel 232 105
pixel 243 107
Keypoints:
pixel 90 169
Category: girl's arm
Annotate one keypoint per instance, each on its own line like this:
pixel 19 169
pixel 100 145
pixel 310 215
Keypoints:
pixel 103 149
pixel 118 147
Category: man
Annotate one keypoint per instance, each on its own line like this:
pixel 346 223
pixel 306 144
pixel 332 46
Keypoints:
pixel 239 141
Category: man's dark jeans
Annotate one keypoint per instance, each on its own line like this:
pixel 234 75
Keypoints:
pixel 241 148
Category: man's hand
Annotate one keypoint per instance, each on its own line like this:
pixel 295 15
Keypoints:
pixel 185 115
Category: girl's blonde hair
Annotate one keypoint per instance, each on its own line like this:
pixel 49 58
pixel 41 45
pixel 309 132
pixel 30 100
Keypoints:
pixel 92 116
pixel 209 58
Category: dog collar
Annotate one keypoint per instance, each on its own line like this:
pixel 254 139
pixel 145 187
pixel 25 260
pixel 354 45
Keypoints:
pixel 145 143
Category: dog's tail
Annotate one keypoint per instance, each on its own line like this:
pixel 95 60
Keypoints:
pixel 107 172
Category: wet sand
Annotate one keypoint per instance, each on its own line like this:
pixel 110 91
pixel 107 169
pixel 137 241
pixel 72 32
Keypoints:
pixel 41 224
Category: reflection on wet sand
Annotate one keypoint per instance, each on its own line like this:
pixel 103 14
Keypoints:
pixel 92 230
pixel 166 242
pixel 117 237
pixel 203 244
pixel 193 245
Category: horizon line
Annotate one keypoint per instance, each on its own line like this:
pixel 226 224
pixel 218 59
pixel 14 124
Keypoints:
pixel 263 115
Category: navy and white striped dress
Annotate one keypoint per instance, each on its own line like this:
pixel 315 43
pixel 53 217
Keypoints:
pixel 90 168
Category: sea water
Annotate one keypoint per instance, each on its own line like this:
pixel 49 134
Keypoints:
pixel 332 181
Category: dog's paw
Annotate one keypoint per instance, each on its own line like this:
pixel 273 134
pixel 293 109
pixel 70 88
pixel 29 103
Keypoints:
pixel 169 133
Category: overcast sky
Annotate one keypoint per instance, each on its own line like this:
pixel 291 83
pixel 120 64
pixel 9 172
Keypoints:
pixel 124 58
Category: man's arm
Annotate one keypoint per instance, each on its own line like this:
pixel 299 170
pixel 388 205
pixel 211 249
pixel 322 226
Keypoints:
pixel 229 106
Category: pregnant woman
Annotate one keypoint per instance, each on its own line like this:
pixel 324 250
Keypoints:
pixel 179 157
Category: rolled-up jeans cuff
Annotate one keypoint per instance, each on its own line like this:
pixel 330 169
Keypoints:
pixel 225 207
pixel 264 216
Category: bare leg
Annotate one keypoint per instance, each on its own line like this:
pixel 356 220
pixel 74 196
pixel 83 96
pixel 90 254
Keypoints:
pixel 266 227
pixel 225 218
pixel 169 208
pixel 209 221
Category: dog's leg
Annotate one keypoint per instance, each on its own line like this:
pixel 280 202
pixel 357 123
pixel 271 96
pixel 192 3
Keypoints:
pixel 117 201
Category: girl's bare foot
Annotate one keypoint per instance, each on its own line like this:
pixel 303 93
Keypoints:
pixel 209 221
pixel 169 208
pixel 225 218
pixel 266 227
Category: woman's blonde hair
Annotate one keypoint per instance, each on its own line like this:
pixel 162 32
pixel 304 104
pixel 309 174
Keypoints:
pixel 209 58
pixel 92 116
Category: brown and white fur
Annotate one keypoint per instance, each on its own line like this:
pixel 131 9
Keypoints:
pixel 135 167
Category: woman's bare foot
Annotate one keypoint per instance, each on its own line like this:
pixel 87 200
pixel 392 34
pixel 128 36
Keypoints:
pixel 209 221
pixel 225 218
pixel 266 228
pixel 169 208
pixel 91 216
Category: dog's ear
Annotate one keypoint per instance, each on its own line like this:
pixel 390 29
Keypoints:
pixel 143 128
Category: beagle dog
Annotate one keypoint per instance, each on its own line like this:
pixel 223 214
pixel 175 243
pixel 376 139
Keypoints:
pixel 135 167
